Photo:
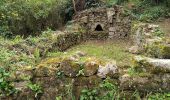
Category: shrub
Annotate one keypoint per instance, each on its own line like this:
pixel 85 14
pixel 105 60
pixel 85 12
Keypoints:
pixel 153 13
pixel 149 11
pixel 31 16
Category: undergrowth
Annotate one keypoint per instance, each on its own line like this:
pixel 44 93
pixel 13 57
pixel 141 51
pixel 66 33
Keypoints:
pixel 147 12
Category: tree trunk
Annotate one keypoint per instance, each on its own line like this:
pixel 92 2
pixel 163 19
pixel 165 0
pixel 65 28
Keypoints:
pixel 74 6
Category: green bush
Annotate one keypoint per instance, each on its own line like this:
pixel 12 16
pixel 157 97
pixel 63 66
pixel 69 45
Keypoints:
pixel 149 10
pixel 31 16
pixel 153 13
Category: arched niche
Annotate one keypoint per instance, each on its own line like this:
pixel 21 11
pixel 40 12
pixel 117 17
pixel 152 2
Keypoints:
pixel 98 28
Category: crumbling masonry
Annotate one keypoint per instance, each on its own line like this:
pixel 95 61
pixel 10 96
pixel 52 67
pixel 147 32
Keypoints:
pixel 105 22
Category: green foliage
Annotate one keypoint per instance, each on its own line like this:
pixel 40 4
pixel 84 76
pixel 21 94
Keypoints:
pixel 31 16
pixel 159 96
pixel 158 50
pixel 37 55
pixel 35 88
pixel 92 3
pixel 132 71
pixel 81 72
pixel 109 90
pixel 105 91
pixel 6 87
pixel 69 91
pixel 110 3
pixel 152 13
pixel 5 56
pixel 159 33
pixel 89 94
pixel 149 11
pixel 58 98
pixel 60 74
pixel 136 95
pixel 17 39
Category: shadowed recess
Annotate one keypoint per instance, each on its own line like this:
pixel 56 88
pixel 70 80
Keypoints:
pixel 98 28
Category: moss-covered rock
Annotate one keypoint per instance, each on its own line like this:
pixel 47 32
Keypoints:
pixel 165 51
pixel 90 68
pixel 158 50
pixel 48 67
pixel 87 81
pixel 70 68
pixel 150 65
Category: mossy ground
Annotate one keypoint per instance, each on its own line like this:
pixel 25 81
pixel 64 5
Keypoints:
pixel 110 49
pixel 165 26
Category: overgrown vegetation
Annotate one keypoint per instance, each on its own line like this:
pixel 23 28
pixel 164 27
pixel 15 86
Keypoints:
pixel 105 91
pixel 35 88
pixel 32 16
pixel 6 87
pixel 151 10
pixel 20 18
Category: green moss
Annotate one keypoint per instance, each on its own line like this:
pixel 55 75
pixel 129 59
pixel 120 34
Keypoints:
pixel 154 50
pixel 165 51
pixel 158 50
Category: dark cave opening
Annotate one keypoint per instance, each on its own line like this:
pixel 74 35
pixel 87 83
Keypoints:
pixel 98 28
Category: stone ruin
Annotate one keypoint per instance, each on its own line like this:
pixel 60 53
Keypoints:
pixel 105 22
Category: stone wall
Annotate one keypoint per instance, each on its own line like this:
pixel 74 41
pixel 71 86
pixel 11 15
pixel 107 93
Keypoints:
pixel 106 22
pixel 53 41
pixel 68 76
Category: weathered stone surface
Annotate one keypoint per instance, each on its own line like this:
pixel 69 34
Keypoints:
pixel 90 68
pixel 70 68
pixel 153 65
pixel 110 13
pixel 45 71
pixel 21 85
pixel 87 81
pixel 109 69
pixel 103 21
pixel 155 83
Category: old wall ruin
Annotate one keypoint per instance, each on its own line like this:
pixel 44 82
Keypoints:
pixel 105 22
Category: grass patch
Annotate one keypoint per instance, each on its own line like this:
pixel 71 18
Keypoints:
pixel 115 50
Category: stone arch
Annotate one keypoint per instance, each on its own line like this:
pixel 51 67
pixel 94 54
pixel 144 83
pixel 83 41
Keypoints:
pixel 98 28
